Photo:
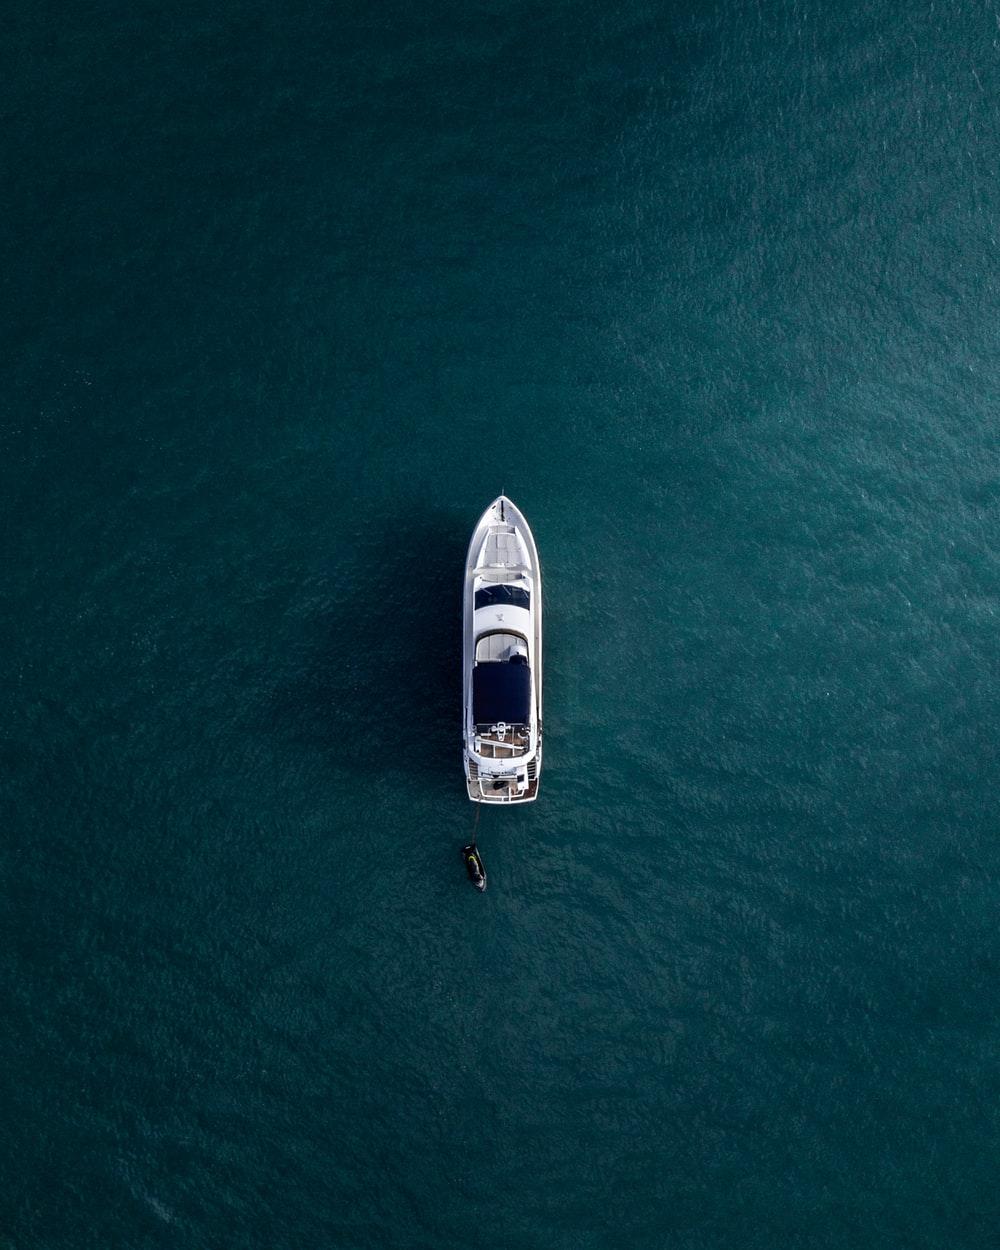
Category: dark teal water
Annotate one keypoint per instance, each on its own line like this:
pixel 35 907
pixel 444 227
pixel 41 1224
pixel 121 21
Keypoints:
pixel 291 293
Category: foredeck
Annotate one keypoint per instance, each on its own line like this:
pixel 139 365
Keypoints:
pixel 503 551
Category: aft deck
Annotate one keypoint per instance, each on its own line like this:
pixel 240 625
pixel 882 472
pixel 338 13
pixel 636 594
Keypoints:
pixel 481 788
pixel 491 746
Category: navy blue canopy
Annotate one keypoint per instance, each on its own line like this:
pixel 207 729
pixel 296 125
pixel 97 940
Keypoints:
pixel 501 691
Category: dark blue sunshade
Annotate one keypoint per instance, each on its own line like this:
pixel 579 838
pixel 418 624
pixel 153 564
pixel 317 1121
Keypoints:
pixel 501 691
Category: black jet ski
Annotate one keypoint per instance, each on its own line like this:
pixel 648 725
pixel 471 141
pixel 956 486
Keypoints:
pixel 474 866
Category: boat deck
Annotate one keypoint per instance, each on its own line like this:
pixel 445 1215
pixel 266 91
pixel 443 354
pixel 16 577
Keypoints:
pixel 500 646
pixel 510 746
pixel 503 550
pixel 508 794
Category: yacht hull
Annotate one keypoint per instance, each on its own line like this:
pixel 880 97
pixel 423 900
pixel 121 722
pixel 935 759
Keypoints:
pixel 502 659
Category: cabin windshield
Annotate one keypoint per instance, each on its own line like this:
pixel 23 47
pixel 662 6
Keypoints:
pixel 502 596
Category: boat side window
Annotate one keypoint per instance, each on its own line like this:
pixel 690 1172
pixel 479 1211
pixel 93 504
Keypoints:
pixel 502 596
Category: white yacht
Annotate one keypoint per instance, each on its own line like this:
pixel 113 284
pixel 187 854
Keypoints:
pixel 502 659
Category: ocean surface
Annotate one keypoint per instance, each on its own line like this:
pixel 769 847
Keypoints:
pixel 291 293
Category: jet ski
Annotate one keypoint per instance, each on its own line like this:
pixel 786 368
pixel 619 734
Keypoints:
pixel 474 866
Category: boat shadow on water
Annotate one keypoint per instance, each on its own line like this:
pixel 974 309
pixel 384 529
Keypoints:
pixel 379 686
